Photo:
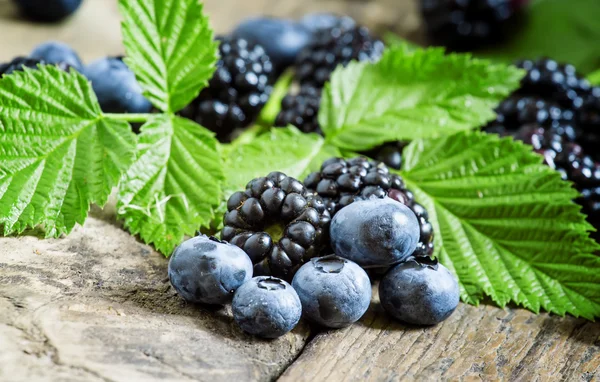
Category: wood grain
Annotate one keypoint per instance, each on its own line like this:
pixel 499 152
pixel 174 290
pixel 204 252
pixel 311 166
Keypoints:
pixel 475 343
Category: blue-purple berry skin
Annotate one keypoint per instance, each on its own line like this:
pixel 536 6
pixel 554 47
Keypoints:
pixel 266 307
pixel 334 292
pixel 116 87
pixel 48 10
pixel 56 52
pixel 418 294
pixel 282 39
pixel 375 232
pixel 207 271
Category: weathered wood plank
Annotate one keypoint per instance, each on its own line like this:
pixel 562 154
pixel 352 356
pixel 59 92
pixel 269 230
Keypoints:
pixel 475 343
pixel 97 306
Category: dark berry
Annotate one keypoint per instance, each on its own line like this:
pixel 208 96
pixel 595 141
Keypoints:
pixel 342 182
pixel 332 47
pixel 464 25
pixel 116 87
pixel 240 87
pixel 301 110
pixel 278 223
pixel 335 292
pixel 316 22
pixel 57 53
pixel 48 10
pixel 282 39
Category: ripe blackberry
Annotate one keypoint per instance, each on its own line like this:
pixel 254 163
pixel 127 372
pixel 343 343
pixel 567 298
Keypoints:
pixel 271 204
pixel 555 82
pixel 238 90
pixel 518 110
pixel 301 110
pixel 341 182
pixel 332 47
pixel 389 153
pixel 570 159
pixel 463 25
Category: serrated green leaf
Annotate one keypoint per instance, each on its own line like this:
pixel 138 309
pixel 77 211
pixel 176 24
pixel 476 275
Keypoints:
pixel 594 78
pixel 172 187
pixel 411 94
pixel 170 48
pixel 567 31
pixel 58 153
pixel 505 223
pixel 282 149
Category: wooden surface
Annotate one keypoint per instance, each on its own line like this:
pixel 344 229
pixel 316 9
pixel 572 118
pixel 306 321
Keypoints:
pixel 96 306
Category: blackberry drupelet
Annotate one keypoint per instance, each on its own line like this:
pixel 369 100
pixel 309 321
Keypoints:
pixel 555 82
pixel 277 203
pixel 463 25
pixel 332 47
pixel 301 110
pixel 340 182
pixel 238 90
pixel 389 153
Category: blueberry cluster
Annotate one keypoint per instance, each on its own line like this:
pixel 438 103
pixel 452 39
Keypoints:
pixel 281 231
pixel 113 82
pixel 556 111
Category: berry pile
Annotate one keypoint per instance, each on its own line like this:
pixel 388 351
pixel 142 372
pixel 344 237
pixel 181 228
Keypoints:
pixel 301 110
pixel 463 25
pixel 341 182
pixel 556 111
pixel 239 89
pixel 333 291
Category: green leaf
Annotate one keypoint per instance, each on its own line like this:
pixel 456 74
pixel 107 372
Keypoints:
pixel 567 31
pixel 505 223
pixel 594 78
pixel 172 187
pixel 58 153
pixel 170 48
pixel 393 40
pixel 282 149
pixel 280 90
pixel 411 94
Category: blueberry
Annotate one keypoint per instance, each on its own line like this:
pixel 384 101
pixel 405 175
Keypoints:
pixel 282 39
pixel 375 232
pixel 48 10
pixel 418 293
pixel 322 20
pixel 206 270
pixel 55 52
pixel 116 87
pixel 266 307
pixel 335 292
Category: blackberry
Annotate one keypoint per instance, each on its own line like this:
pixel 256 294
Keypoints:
pixel 570 160
pixel 389 153
pixel 268 206
pixel 301 110
pixel 589 121
pixel 238 90
pixel 518 110
pixel 340 182
pixel 463 25
pixel 335 46
pixel 555 82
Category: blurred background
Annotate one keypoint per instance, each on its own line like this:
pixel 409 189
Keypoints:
pixel 93 30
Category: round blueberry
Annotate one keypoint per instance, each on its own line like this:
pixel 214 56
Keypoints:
pixel 48 10
pixel 55 52
pixel 420 294
pixel 116 87
pixel 282 39
pixel 267 307
pixel 206 270
pixel 335 292
pixel 375 232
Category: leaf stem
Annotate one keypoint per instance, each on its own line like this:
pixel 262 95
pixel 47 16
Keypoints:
pixel 129 117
